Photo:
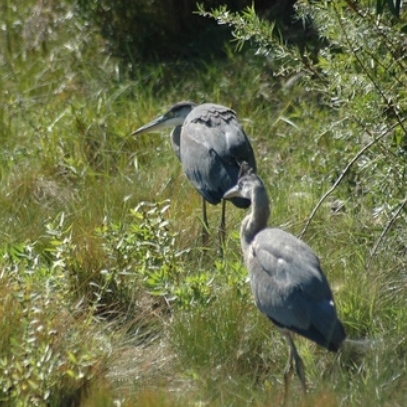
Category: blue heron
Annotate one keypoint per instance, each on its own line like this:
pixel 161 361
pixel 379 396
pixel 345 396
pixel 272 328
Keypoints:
pixel 286 279
pixel 211 145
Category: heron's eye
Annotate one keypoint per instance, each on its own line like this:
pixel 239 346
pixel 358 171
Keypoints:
pixel 170 115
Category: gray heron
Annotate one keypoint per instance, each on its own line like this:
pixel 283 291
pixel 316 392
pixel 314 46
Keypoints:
pixel 286 279
pixel 211 145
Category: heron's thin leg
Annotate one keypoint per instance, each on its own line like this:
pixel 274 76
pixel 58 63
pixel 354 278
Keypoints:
pixel 222 227
pixel 299 364
pixel 205 226
pixel 288 374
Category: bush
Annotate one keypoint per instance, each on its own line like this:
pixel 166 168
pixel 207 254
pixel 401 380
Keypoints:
pixel 50 348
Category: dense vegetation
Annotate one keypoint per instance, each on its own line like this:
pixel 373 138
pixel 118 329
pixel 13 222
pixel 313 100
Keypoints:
pixel 157 30
pixel 105 293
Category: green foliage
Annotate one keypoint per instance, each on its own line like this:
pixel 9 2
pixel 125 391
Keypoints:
pixel 143 252
pixel 266 37
pixel 107 297
pixel 126 257
pixel 41 360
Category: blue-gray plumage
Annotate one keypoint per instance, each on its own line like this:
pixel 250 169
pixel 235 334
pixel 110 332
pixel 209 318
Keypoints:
pixel 287 282
pixel 211 145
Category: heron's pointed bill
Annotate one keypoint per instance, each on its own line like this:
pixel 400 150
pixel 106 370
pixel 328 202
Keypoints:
pixel 232 193
pixel 155 125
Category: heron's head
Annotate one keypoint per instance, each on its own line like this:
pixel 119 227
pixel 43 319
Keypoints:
pixel 175 116
pixel 247 182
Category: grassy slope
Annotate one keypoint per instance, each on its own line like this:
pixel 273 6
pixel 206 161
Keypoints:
pixel 65 122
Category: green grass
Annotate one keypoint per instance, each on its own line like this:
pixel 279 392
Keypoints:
pixel 104 299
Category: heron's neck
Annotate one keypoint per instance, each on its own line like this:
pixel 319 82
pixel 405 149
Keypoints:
pixel 257 219
pixel 175 138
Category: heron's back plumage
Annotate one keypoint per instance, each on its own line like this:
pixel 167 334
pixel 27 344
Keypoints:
pixel 213 145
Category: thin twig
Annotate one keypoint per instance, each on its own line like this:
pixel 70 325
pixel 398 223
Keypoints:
pixel 388 227
pixel 342 176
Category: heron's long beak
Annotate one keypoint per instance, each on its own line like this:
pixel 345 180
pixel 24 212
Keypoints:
pixel 232 193
pixel 155 125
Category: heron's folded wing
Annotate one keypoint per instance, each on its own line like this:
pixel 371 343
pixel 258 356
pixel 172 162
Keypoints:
pixel 287 281
pixel 211 152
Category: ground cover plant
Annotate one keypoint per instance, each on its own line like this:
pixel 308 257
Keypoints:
pixel 107 297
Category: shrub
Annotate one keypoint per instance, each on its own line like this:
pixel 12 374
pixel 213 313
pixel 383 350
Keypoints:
pixel 50 348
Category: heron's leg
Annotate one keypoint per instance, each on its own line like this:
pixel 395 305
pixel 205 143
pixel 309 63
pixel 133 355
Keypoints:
pixel 205 226
pixel 299 364
pixel 222 226
pixel 288 374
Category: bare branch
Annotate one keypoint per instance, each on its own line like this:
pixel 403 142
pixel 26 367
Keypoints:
pixel 343 174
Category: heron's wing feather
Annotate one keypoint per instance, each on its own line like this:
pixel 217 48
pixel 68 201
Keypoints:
pixel 208 171
pixel 290 262
pixel 226 135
